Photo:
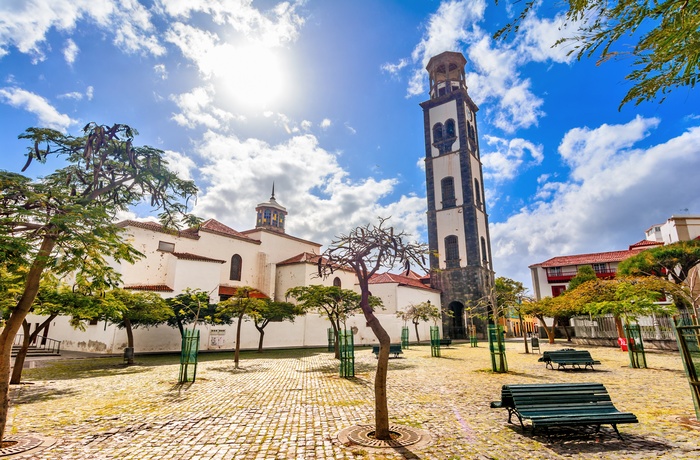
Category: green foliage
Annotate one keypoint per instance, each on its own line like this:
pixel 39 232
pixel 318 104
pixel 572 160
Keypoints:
pixel 584 273
pixel 421 312
pixel 331 302
pixel 667 51
pixel 122 307
pixel 192 307
pixel 673 260
pixel 509 293
pixel 271 310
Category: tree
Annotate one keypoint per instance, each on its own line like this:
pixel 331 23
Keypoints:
pixel 131 310
pixel 509 296
pixel 66 220
pixel 366 250
pixel 583 274
pixel 666 55
pixel 331 302
pixel 243 303
pixel 416 313
pixel 549 307
pixel 678 262
pixel 271 310
pixel 192 306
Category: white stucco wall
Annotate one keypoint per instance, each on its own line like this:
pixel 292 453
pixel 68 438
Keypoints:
pixel 441 114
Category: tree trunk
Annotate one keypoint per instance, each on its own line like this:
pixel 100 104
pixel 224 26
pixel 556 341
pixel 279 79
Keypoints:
pixel 261 330
pixel 550 333
pixel 336 339
pixel 417 338
pixel 19 313
pixel 129 339
pixel 381 409
pixel 522 331
pixel 21 354
pixel 237 352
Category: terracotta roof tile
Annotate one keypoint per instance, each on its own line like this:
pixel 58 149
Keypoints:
pixel 644 244
pixel 214 226
pixel 156 227
pixel 190 256
pixel 229 290
pixel 149 287
pixel 593 258
pixel 388 278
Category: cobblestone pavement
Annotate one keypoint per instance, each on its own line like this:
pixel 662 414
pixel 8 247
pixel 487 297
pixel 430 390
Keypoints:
pixel 292 404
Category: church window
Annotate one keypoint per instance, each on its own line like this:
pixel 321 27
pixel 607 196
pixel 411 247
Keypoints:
pixel 484 254
pixel 450 128
pixel 448 192
pixel 477 192
pixel 336 282
pixel 437 132
pixel 236 263
pixel 267 217
pixel 452 251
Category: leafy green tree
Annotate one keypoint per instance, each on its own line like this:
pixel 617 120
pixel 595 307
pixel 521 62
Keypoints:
pixel 666 54
pixel 421 312
pixel 331 302
pixel 243 303
pixel 509 297
pixel 192 307
pixel 271 310
pixel 679 262
pixel 583 274
pixel 66 220
pixel 365 250
pixel 130 310
pixel 550 307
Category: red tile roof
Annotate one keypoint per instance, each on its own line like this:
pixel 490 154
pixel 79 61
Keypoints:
pixel 645 244
pixel 228 290
pixel 389 278
pixel 190 256
pixel 581 259
pixel 214 226
pixel 304 257
pixel 149 287
pixel 156 227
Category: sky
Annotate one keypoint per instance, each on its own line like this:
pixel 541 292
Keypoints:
pixel 321 99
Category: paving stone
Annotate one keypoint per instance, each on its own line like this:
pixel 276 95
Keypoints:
pixel 293 407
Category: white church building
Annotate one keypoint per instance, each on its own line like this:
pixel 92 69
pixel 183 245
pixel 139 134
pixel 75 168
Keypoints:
pixel 217 259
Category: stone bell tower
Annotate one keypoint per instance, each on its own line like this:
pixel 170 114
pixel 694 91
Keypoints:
pixel 458 231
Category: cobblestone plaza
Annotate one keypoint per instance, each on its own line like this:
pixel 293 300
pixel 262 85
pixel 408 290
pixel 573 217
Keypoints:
pixel 291 404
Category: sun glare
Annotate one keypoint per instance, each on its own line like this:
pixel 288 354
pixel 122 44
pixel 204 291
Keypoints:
pixel 252 77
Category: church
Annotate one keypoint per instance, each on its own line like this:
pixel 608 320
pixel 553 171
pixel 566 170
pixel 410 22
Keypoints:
pixel 217 259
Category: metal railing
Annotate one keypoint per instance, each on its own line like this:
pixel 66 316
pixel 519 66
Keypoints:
pixel 651 327
pixel 45 344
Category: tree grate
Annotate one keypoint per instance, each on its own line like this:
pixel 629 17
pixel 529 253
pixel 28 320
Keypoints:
pixel 363 435
pixel 23 444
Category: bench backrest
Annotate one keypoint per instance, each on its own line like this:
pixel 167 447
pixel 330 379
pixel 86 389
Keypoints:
pixel 522 396
pixel 568 355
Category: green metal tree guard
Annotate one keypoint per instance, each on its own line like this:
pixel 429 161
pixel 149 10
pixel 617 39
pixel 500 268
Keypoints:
pixel 635 346
pixel 347 354
pixel 473 341
pixel 688 337
pixel 331 339
pixel 404 337
pixel 435 341
pixel 188 356
pixel 497 347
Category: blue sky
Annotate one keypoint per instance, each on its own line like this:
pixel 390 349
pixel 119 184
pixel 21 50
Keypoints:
pixel 322 98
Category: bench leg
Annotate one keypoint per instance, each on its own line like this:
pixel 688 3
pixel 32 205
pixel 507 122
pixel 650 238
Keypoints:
pixel 614 425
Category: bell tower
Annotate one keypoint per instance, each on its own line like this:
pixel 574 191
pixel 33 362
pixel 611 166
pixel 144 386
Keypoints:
pixel 458 231
pixel 271 215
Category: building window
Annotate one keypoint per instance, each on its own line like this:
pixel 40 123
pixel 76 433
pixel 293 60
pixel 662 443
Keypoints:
pixel 554 271
pixel 437 132
pixel 600 268
pixel 451 251
pixel 450 128
pixel 558 290
pixel 336 282
pixel 484 254
pixel 477 193
pixel 236 263
pixel 267 217
pixel 448 192
pixel 166 247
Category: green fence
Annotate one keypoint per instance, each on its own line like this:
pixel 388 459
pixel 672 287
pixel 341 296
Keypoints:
pixel 473 341
pixel 404 337
pixel 688 337
pixel 435 341
pixel 347 354
pixel 188 356
pixel 635 346
pixel 497 347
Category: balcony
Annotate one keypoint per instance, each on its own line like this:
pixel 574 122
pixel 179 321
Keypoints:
pixel 564 276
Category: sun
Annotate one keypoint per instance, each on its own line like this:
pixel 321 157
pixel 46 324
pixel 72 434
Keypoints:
pixel 252 76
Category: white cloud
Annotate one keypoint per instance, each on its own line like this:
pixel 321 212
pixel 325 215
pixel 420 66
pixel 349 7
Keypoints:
pixel 47 115
pixel 350 129
pixel 240 173
pixel 394 68
pixel 198 109
pixel 599 207
pixel 73 95
pixel 180 164
pixel 325 123
pixel 25 25
pixel 70 52
pixel 509 157
pixel 537 36
pixel 89 92
pixel 161 70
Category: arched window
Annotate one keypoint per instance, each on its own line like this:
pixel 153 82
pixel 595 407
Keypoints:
pixel 336 282
pixel 477 192
pixel 448 192
pixel 236 263
pixel 437 132
pixel 450 128
pixel 452 251
pixel 484 254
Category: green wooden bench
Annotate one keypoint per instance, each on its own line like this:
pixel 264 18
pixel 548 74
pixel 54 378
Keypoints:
pixel 445 342
pixel 568 357
pixel 394 349
pixel 561 405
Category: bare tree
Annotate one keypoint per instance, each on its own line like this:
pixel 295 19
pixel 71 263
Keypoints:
pixel 366 250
